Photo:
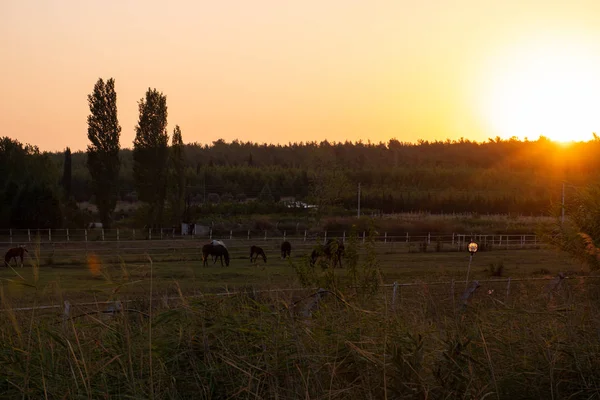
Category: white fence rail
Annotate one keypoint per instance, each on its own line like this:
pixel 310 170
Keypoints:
pixel 24 236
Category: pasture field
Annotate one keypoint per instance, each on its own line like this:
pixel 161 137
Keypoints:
pixel 95 271
pixel 531 339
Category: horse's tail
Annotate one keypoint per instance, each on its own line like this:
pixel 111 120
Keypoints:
pixel 264 256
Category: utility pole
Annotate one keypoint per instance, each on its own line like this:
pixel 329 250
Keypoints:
pixel 562 218
pixel 359 200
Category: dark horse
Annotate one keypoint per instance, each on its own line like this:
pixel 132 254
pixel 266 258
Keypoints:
pixel 217 251
pixel 333 250
pixel 256 251
pixel 286 250
pixel 14 253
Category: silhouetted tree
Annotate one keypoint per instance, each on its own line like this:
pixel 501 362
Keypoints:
pixel 151 152
pixel 28 195
pixel 103 161
pixel 67 172
pixel 177 178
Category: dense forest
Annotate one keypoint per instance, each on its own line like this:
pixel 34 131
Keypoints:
pixel 498 176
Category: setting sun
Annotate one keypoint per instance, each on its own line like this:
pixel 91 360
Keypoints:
pixel 549 86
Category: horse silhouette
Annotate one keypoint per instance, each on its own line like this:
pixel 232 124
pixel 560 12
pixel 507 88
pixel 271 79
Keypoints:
pixel 14 253
pixel 333 251
pixel 256 251
pixel 286 250
pixel 218 251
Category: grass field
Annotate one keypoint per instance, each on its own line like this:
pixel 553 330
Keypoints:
pixel 529 339
pixel 95 271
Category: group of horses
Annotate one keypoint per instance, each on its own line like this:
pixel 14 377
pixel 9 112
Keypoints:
pixel 333 251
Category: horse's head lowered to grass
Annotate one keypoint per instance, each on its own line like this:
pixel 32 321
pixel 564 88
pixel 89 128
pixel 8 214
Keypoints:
pixel 217 251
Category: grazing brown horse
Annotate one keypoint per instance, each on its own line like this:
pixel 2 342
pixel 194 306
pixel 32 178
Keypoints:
pixel 217 251
pixel 14 253
pixel 286 250
pixel 256 251
pixel 333 251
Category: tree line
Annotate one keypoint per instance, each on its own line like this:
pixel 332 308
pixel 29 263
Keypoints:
pixel 180 181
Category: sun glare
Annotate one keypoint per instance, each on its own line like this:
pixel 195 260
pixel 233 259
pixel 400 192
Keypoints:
pixel 549 88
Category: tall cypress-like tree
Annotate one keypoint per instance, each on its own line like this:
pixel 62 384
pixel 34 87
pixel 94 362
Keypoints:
pixel 151 153
pixel 177 178
pixel 67 172
pixel 103 161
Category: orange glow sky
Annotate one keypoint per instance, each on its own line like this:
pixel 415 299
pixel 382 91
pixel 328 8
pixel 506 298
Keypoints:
pixel 287 71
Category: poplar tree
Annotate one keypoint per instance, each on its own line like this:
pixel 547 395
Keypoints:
pixel 151 153
pixel 67 173
pixel 177 176
pixel 103 161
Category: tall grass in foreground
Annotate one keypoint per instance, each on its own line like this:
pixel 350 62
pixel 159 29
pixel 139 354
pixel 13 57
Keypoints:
pixel 259 346
pixel 537 341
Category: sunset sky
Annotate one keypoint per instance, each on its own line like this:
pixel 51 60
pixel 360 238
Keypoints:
pixel 288 71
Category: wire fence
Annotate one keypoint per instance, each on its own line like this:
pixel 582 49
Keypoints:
pixel 456 292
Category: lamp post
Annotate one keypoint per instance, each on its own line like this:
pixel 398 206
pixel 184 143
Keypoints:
pixel 472 247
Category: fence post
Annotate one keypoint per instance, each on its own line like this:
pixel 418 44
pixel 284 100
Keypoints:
pixel 394 295
pixel 117 234
pixel 133 234
pixel 428 237
pixel 102 234
pixel 363 236
pixel 325 238
pixel 452 239
pixel 344 237
pixel 161 233
pixel 85 234
pixel 305 235
pixel 535 240
pixel 284 232
pixel 385 237
pixel 68 239
pixel 10 233
pixel 230 234
pixel 66 312
pixel 173 233
pixel 210 233
pixel 29 235
pixel 149 233
pixel 265 234
pixel 49 235
pixel 248 234
pixel 507 289
pixel 406 237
